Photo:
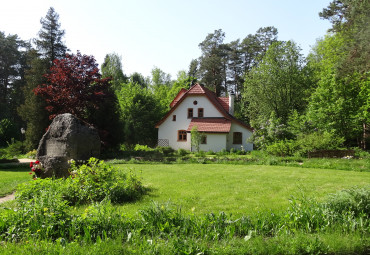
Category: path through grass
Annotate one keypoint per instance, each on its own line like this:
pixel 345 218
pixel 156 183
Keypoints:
pixel 236 189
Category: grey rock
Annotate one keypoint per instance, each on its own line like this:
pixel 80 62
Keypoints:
pixel 67 138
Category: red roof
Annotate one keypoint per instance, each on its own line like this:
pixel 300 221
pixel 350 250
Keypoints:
pixel 224 101
pixel 220 103
pixel 178 97
pixel 210 125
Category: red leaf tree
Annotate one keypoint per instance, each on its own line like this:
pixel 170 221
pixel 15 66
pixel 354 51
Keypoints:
pixel 74 85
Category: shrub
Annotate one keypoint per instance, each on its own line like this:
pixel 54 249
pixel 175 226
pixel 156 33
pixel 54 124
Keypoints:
pixel 14 149
pixel 200 154
pixel 222 152
pixel 93 181
pixel 96 180
pixel 210 152
pixel 182 152
pixel 318 141
pixel 139 147
pixel 282 148
pixel 165 151
pixel 356 200
pixel 31 154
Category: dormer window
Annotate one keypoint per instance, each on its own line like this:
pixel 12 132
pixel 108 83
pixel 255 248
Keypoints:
pixel 200 112
pixel 190 113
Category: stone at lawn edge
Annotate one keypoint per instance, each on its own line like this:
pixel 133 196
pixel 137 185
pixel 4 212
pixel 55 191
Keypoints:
pixel 67 138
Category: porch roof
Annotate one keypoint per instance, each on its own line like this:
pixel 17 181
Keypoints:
pixel 210 125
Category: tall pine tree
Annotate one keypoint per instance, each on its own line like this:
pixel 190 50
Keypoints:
pixel 49 46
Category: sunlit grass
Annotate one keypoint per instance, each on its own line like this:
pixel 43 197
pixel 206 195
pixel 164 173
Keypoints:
pixel 11 175
pixel 236 189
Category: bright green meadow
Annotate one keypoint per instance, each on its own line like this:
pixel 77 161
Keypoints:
pixel 236 189
pixel 187 208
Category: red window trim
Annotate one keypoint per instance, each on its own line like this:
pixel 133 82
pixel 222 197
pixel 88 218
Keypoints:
pixel 190 110
pixel 200 109
pixel 181 134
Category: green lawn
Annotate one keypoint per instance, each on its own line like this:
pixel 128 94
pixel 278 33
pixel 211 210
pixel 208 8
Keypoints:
pixel 236 189
pixel 11 175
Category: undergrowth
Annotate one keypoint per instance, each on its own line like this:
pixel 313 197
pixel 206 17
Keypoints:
pixel 164 228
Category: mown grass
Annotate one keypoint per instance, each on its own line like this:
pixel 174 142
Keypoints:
pixel 11 175
pixel 263 221
pixel 236 189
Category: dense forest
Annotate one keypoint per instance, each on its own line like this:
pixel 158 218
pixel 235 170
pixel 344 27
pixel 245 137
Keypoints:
pixel 294 102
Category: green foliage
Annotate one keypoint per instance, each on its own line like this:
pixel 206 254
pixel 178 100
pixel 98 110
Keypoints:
pixel 112 68
pixel 277 85
pixel 195 138
pixel 93 181
pixel 96 180
pixel 182 152
pixel 211 64
pixel 301 229
pixel 33 111
pixel 318 141
pixel 140 112
pixel 338 104
pixel 50 43
pixel 355 200
pixel 14 149
pixel 7 132
pixel 13 52
pixel 282 148
pixel 270 131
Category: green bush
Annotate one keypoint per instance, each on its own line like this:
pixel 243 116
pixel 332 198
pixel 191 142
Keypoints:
pixel 282 148
pixel 139 147
pixel 165 151
pixel 318 141
pixel 93 181
pixel 182 152
pixel 31 154
pixel 97 180
pixel 355 200
pixel 14 149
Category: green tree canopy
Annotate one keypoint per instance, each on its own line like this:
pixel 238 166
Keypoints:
pixel 112 68
pixel 277 85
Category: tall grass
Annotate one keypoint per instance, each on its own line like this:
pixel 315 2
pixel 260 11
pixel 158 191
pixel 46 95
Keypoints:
pixel 47 217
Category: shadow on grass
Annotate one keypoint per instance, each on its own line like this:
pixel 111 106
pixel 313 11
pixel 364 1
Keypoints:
pixel 15 167
pixel 146 192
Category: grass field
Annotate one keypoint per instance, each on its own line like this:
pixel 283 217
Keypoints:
pixel 11 175
pixel 236 189
pixel 45 224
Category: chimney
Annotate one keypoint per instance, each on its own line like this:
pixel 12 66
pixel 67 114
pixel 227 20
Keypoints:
pixel 231 102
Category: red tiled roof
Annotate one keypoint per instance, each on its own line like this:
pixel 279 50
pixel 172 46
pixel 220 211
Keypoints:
pixel 178 97
pixel 221 103
pixel 210 125
pixel 224 101
pixel 197 89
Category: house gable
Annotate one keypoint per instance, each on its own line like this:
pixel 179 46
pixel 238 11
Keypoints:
pixel 219 103
pixel 200 107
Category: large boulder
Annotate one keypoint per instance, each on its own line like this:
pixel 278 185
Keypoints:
pixel 67 138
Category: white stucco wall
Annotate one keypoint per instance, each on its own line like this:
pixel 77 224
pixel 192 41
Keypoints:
pixel 215 142
pixel 246 134
pixel 168 129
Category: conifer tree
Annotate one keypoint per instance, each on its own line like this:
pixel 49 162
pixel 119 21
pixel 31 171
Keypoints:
pixel 49 46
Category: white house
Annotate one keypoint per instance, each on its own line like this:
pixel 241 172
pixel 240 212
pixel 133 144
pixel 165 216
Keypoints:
pixel 213 117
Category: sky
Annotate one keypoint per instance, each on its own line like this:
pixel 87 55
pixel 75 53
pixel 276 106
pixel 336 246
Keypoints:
pixel 163 33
